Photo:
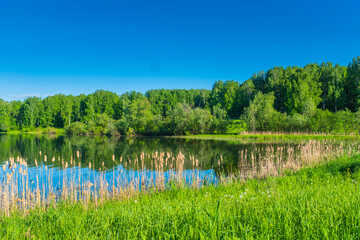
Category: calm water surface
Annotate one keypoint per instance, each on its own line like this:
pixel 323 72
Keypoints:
pixel 127 158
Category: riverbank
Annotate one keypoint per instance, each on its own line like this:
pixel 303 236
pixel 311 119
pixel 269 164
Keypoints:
pixel 271 136
pixel 318 203
pixel 50 131
pixel 258 136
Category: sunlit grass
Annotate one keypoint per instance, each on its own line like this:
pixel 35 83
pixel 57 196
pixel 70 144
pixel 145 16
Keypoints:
pixel 314 203
pixel 312 193
pixel 261 136
pixel 38 130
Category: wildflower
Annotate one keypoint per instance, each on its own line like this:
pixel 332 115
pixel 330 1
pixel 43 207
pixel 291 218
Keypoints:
pixel 135 201
pixel 269 195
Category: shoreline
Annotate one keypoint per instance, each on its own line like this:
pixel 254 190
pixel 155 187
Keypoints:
pixel 289 206
pixel 230 137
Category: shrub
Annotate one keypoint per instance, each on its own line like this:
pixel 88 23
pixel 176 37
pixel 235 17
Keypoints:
pixel 296 123
pixel 76 128
pixel 237 127
pixel 49 130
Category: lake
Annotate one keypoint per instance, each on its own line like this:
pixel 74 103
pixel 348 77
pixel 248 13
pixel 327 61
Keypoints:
pixel 53 163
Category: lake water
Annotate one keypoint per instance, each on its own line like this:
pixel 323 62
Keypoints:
pixel 146 160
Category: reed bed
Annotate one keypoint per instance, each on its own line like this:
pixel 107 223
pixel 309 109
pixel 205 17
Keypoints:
pixel 314 203
pixel 24 188
pixel 280 136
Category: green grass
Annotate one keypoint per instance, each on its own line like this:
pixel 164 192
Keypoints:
pixel 54 131
pixel 315 203
pixel 274 136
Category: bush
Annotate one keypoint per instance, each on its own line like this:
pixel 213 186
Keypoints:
pixel 296 123
pixel 49 130
pixel 26 129
pixel 237 127
pixel 96 130
pixel 111 129
pixel 76 128
pixel 322 121
pixel 4 127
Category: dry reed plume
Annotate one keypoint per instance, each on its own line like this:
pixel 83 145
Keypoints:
pixel 22 190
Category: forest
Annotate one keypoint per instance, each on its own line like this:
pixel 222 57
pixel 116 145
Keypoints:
pixel 316 98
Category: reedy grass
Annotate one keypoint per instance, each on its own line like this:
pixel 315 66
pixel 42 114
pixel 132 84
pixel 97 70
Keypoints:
pixel 21 193
pixel 318 202
pixel 39 130
pixel 322 202
pixel 261 136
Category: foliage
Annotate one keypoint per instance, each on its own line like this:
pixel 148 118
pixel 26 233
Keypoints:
pixel 76 128
pixel 260 114
pixel 314 98
pixel 236 127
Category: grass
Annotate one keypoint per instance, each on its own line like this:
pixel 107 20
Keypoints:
pixel 55 131
pixel 271 136
pixel 321 202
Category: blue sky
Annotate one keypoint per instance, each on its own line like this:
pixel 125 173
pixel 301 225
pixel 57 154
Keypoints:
pixel 73 47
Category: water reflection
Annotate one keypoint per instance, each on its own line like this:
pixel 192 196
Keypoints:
pixel 100 150
pixel 54 162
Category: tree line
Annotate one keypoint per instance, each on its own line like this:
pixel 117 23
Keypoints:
pixel 314 98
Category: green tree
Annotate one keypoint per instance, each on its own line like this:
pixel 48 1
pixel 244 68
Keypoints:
pixel 5 118
pixel 260 113
pixel 244 95
pixel 352 84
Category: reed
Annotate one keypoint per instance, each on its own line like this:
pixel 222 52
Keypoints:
pixel 24 188
pixel 281 136
pixel 320 202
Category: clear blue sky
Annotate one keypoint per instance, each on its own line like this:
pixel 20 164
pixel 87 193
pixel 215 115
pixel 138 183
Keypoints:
pixel 73 47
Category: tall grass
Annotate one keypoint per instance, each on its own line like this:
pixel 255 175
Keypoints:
pixel 23 190
pixel 315 203
pixel 261 136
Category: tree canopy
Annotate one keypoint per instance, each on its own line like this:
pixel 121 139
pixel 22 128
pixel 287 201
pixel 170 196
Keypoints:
pixel 314 98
